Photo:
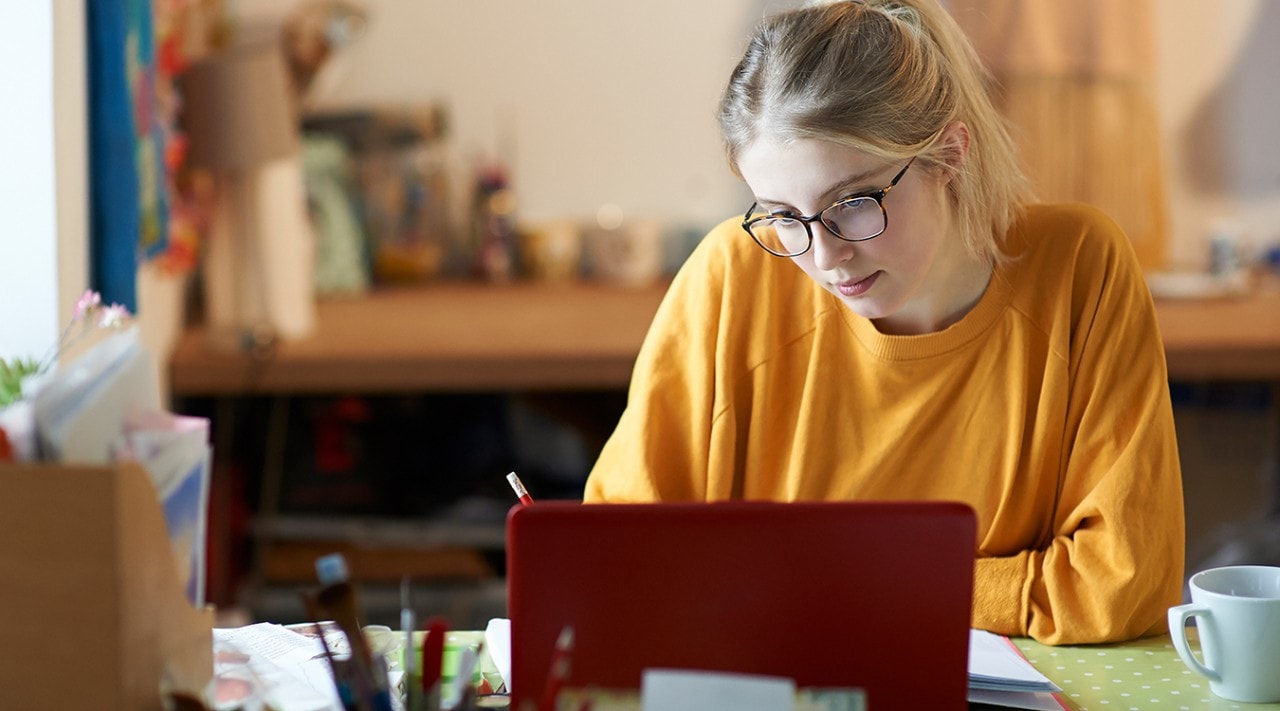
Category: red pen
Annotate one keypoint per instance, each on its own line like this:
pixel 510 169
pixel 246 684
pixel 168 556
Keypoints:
pixel 559 672
pixel 433 660
pixel 518 487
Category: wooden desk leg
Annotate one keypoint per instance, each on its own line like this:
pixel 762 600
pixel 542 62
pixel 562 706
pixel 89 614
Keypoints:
pixel 220 547
pixel 272 481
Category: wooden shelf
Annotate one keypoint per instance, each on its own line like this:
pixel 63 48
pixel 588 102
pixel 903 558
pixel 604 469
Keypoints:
pixel 469 336
pixel 1230 339
pixel 448 336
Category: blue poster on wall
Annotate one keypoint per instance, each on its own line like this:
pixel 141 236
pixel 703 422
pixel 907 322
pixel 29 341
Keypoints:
pixel 128 207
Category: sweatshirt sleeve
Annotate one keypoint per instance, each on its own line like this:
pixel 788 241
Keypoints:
pixel 1115 562
pixel 661 447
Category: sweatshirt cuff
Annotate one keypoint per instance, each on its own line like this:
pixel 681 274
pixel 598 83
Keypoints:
pixel 999 600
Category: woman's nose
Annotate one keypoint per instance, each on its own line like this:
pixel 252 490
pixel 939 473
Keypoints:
pixel 829 251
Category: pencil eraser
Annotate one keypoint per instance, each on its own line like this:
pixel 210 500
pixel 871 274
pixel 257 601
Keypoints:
pixel 332 569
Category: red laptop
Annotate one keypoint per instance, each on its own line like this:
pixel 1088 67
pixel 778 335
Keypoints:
pixel 874 595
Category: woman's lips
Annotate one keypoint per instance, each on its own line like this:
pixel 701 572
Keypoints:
pixel 857 287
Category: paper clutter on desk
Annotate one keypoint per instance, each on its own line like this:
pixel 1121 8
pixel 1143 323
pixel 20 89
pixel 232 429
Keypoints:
pixel 497 637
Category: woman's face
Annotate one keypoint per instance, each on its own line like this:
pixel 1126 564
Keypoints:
pixel 916 276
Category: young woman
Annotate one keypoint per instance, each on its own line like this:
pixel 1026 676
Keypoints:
pixel 893 320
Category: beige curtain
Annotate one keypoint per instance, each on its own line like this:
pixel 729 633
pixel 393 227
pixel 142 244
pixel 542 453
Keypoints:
pixel 1075 79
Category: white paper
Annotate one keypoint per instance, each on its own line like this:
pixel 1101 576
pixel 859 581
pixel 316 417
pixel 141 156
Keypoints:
pixel 290 668
pixel 497 639
pixel 80 409
pixel 685 690
pixel 993 664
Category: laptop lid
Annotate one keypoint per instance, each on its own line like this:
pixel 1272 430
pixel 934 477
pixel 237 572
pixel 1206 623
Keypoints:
pixel 875 595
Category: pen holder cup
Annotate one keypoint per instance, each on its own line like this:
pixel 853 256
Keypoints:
pixel 454 643
pixel 386 642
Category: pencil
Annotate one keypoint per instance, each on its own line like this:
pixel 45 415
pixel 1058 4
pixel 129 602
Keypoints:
pixel 408 658
pixel 340 681
pixel 518 487
pixel 433 661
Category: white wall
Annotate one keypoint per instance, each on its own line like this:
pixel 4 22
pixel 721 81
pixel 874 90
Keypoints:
pixel 614 101
pixel 43 193
pixel 1220 112
pixel 603 102
pixel 28 246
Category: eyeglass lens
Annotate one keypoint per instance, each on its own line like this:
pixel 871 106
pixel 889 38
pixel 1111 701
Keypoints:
pixel 856 219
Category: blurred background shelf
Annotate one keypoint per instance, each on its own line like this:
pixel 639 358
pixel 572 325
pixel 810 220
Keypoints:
pixel 443 336
pixel 1224 339
pixel 386 434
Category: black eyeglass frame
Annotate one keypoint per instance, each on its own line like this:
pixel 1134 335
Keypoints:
pixel 877 195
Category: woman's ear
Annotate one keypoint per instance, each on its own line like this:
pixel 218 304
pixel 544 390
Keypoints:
pixel 953 148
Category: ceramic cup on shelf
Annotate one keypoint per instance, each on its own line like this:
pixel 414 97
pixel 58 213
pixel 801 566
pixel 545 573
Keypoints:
pixel 552 250
pixel 1237 614
pixel 628 253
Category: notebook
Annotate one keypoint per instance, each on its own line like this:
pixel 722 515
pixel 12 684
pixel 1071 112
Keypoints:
pixel 875 595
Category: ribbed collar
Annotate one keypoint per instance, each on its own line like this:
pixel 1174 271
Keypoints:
pixel 928 345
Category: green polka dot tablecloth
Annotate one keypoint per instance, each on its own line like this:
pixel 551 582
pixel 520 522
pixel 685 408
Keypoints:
pixel 1142 675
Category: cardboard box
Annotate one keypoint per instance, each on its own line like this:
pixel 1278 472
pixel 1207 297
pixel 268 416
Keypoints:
pixel 92 610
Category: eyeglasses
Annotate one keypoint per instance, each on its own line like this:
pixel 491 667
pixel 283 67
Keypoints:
pixel 855 218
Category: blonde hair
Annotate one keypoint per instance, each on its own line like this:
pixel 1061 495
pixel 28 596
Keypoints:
pixel 885 77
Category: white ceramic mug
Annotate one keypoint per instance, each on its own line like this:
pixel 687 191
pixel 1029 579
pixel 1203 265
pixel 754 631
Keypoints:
pixel 1237 611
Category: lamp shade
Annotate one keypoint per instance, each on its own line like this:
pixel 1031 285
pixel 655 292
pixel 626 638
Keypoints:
pixel 238 109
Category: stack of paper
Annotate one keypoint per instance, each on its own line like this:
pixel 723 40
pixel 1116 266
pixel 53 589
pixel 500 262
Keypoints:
pixel 999 675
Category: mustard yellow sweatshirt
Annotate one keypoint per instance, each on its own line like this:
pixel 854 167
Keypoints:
pixel 1046 409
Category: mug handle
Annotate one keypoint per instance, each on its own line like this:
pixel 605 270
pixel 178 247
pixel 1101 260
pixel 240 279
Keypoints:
pixel 1178 632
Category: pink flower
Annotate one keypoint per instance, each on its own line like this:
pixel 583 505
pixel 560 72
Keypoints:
pixel 113 316
pixel 89 315
pixel 88 302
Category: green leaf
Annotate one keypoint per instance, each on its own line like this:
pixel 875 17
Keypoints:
pixel 12 374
